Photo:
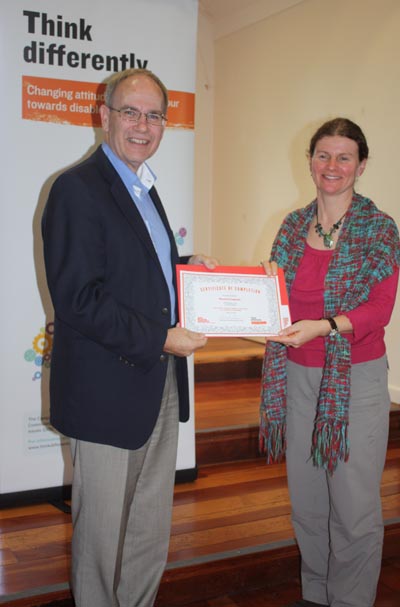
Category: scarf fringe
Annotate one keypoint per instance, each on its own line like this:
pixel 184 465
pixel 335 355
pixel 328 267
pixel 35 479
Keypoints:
pixel 272 441
pixel 330 445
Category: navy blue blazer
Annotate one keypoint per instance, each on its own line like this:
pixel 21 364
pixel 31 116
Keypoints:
pixel 112 309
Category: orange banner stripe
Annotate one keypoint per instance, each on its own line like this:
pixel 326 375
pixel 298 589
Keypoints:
pixel 77 103
pixel 180 110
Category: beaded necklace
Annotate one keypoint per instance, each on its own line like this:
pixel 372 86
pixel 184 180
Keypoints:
pixel 327 237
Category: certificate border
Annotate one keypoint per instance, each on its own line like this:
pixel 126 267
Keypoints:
pixel 255 270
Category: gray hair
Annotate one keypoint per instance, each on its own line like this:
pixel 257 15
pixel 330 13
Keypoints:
pixel 118 77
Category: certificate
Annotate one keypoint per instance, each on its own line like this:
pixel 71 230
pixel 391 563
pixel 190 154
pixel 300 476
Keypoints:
pixel 232 301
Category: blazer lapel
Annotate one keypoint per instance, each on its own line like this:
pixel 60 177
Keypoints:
pixel 161 211
pixel 130 211
pixel 124 201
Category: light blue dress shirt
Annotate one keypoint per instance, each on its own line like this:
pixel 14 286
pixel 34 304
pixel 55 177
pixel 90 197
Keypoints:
pixel 138 185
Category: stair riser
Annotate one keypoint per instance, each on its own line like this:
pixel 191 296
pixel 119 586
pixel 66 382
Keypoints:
pixel 235 444
pixel 268 569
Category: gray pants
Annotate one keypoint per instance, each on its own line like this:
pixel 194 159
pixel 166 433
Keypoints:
pixel 121 513
pixel 338 519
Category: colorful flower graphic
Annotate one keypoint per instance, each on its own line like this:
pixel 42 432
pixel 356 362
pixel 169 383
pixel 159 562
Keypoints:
pixel 180 236
pixel 40 353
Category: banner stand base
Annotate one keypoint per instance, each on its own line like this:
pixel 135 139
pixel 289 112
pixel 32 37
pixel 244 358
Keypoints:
pixel 58 496
pixel 187 475
pixel 36 496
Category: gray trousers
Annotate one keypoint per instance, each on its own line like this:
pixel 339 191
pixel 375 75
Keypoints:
pixel 121 513
pixel 338 519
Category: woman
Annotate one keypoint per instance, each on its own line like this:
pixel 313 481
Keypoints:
pixel 324 388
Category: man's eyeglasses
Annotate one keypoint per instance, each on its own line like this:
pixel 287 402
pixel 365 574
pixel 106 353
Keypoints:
pixel 131 114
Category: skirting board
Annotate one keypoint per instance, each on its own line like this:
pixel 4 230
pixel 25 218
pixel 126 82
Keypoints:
pixel 394 392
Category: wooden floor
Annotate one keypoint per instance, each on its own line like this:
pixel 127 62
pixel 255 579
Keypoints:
pixel 229 509
pixel 231 530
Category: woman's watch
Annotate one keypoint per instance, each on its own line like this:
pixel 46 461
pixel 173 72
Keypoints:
pixel 334 328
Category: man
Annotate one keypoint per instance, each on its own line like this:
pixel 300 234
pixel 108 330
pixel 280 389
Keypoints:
pixel 118 376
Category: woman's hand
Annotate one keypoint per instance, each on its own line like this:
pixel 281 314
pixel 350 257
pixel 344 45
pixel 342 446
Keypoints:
pixel 270 267
pixel 301 332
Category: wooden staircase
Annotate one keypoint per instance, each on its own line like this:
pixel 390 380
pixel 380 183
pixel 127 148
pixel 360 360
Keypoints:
pixel 231 528
pixel 227 394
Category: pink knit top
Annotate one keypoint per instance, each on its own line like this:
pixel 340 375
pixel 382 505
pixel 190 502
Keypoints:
pixel 306 302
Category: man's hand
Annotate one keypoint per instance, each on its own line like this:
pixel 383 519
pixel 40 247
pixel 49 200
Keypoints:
pixel 203 260
pixel 183 342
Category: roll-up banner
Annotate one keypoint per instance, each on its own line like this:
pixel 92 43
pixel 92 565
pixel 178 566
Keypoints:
pixel 55 56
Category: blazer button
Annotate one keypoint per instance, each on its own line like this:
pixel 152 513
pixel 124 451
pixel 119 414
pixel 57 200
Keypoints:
pixel 164 310
pixel 163 358
pixel 126 362
pixel 131 364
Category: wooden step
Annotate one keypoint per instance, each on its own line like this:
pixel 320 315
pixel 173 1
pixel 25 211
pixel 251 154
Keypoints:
pixel 228 358
pixel 227 445
pixel 227 414
pixel 226 420
pixel 231 530
pixel 267 569
pixel 194 584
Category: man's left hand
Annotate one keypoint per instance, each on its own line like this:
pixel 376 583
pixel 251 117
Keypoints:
pixel 204 260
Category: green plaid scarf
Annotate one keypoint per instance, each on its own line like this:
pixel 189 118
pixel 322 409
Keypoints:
pixel 367 252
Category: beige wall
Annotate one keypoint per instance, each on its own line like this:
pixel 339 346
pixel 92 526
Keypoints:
pixel 269 85
pixel 204 133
